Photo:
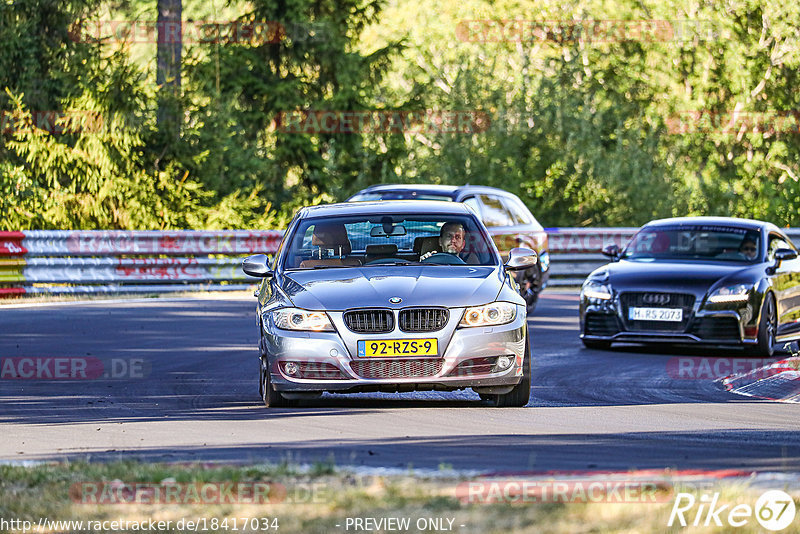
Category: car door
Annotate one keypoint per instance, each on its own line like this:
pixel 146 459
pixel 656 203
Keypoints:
pixel 786 286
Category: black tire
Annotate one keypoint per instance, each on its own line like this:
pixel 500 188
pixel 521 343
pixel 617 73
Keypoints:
pixel 597 344
pixel 767 327
pixel 271 398
pixel 521 394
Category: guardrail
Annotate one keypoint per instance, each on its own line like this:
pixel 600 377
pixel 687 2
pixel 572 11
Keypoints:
pixel 56 262
pixel 80 262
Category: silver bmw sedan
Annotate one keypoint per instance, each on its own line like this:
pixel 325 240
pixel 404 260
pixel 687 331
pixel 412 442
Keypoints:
pixel 391 296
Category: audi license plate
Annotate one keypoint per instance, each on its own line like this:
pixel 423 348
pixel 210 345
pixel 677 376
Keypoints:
pixel 397 347
pixel 674 315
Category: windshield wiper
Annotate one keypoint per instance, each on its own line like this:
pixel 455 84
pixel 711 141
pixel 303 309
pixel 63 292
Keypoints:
pixel 398 262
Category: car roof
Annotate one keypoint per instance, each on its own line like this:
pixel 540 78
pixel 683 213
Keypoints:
pixel 442 207
pixel 721 221
pixel 453 191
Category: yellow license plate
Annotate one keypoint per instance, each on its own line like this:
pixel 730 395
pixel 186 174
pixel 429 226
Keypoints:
pixel 389 348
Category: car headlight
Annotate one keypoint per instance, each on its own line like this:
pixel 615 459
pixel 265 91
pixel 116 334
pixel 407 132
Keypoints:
pixel 737 293
pixel 596 290
pixel 297 319
pixel 489 315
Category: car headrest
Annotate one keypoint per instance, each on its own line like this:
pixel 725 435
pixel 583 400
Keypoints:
pixel 331 235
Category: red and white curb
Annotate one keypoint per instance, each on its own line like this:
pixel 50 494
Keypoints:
pixel 779 381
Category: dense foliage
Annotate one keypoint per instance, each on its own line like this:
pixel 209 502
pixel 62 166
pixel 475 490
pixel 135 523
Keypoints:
pixel 615 127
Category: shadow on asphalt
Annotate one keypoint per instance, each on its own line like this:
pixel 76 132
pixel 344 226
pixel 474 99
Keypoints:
pixel 706 450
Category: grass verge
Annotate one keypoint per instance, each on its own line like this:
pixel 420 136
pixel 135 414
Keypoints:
pixel 320 499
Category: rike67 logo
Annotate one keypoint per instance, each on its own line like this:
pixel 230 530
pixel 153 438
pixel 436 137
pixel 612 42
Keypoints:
pixel 774 510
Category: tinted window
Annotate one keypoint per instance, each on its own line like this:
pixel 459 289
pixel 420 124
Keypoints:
pixel 776 242
pixel 473 203
pixel 493 212
pixel 518 211
pixel 695 242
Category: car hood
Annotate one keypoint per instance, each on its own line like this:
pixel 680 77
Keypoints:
pixel 340 289
pixel 674 276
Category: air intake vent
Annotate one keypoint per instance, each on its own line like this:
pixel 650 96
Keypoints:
pixel 386 369
pixel 423 319
pixel 369 321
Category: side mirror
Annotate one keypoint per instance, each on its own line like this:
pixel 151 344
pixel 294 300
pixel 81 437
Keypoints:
pixel 612 251
pixel 784 254
pixel 257 266
pixel 521 258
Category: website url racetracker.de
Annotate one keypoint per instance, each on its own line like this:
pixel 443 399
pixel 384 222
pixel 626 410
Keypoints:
pixel 198 524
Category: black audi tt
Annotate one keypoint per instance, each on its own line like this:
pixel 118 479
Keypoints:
pixel 714 280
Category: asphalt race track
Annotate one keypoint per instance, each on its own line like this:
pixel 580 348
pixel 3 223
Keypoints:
pixel 183 387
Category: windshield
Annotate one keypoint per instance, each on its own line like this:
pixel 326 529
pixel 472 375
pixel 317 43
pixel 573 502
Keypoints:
pixel 695 242
pixel 400 239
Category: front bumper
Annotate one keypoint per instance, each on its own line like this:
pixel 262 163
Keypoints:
pixel 605 321
pixel 465 360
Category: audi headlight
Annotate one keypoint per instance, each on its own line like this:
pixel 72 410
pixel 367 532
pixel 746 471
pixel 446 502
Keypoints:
pixel 544 260
pixel 489 315
pixel 297 319
pixel 737 293
pixel 596 290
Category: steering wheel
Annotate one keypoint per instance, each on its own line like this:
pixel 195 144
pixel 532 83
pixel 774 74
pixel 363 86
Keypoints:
pixel 444 258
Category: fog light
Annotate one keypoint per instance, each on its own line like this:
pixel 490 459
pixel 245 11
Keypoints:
pixel 503 362
pixel 290 368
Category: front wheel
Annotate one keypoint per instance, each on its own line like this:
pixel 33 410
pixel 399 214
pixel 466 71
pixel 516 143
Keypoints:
pixel 767 326
pixel 271 397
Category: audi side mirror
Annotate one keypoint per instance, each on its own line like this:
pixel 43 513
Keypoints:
pixel 780 255
pixel 785 254
pixel 612 251
pixel 257 266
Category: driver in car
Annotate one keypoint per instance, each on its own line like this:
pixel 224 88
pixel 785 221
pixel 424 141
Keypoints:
pixel 452 239
pixel 748 247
